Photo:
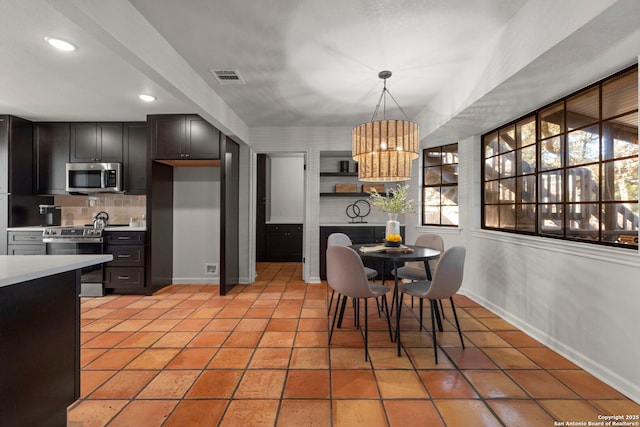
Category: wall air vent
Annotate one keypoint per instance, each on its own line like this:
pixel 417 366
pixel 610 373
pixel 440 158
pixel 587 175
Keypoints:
pixel 227 77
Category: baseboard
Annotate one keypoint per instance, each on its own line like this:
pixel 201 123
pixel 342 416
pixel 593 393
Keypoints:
pixel 606 375
pixel 195 281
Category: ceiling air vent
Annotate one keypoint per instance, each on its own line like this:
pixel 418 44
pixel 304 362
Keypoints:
pixel 227 77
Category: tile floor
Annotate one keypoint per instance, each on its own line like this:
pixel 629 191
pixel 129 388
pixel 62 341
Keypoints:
pixel 259 357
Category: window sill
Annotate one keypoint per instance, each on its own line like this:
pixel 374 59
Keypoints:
pixel 454 231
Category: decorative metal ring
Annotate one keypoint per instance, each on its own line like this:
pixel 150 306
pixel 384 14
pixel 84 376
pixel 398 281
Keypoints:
pixel 358 209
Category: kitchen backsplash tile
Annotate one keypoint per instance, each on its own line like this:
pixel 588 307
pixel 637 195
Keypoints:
pixel 80 210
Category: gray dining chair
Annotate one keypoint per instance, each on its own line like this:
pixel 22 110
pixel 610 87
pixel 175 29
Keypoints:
pixel 348 278
pixel 341 239
pixel 446 281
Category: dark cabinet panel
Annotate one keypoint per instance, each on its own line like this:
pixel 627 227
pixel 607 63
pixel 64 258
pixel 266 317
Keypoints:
pixel 51 142
pixel 183 137
pixel 135 157
pixel 16 155
pixel 358 235
pixel 96 142
pixel 124 279
pixel 4 154
pixel 4 218
pixel 125 274
pixel 284 242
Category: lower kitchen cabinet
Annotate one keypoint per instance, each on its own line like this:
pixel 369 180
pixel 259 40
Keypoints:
pixel 358 235
pixel 25 243
pixel 125 274
pixel 284 242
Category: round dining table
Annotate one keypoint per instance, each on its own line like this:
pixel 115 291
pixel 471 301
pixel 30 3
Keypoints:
pixel 398 256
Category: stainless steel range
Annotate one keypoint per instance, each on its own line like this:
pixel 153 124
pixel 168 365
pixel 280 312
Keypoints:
pixel 78 241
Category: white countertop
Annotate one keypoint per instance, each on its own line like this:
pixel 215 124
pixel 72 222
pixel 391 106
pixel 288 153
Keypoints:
pixel 21 268
pixel 107 228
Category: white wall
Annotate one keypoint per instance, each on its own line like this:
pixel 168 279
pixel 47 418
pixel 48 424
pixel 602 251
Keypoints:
pixel 285 191
pixel 196 224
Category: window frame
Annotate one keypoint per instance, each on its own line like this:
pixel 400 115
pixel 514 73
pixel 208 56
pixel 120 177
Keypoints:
pixel 490 142
pixel 440 185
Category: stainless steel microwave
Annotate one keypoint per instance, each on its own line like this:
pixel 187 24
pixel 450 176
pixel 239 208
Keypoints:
pixel 94 177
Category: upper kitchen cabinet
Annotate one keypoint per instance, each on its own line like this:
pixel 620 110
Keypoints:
pixel 183 137
pixel 51 142
pixel 16 153
pixel 135 157
pixel 95 142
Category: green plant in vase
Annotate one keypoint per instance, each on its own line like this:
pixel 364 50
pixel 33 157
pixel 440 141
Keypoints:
pixel 396 202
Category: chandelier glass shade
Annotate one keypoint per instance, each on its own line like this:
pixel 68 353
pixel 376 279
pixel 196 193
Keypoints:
pixel 384 149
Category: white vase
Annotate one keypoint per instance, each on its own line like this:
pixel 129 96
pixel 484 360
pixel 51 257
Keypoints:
pixel 393 225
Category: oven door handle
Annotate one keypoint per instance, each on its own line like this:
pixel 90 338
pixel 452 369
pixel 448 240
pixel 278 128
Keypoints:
pixel 72 240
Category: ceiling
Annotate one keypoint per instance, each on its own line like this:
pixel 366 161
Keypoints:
pixel 302 62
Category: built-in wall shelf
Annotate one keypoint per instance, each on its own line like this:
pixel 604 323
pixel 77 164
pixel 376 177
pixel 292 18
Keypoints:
pixel 334 194
pixel 338 173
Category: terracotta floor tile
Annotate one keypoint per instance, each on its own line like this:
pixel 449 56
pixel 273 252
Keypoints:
pixel 130 325
pixel 586 385
pixel 254 413
pixel 353 384
pixel 274 358
pixel 313 325
pixel 149 313
pixel 260 313
pixel 307 384
pixel 106 340
pixel 177 313
pixel 468 324
pixel 509 358
pixel 175 339
pixel 161 325
pixel 541 385
pixel 141 339
pixel 296 413
pixel 144 412
pixel 309 358
pixel 518 339
pixel 88 355
pixel 221 325
pixel 312 339
pixel 574 410
pixel 277 339
pixel 404 413
pixel 485 339
pixel 387 358
pixel 86 336
pixel 153 358
pixel 547 358
pixel 343 337
pixel 423 358
pixel 480 312
pixel 404 384
pixel 313 313
pixel 243 339
pixel 348 358
pixel 169 384
pixel 525 413
pixel 116 358
pixel 209 339
pixel 252 325
pixel 460 412
pixel 447 384
pixel 197 413
pixel 497 324
pixel 90 380
pixel 215 384
pixel 124 385
pixel 494 384
pixel 206 312
pixel 191 325
pixel 231 358
pixel 616 406
pixel 282 325
pixel 352 413
pixel 261 384
pixel 94 413
pixel 469 358
pixel 192 358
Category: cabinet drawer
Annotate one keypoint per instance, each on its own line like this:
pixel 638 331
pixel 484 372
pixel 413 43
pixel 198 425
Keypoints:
pixel 26 250
pixel 126 256
pixel 115 277
pixel 25 237
pixel 124 237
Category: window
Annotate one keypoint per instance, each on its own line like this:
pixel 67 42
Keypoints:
pixel 570 169
pixel 440 185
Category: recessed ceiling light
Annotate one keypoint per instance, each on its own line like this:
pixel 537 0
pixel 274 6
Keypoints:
pixel 146 97
pixel 60 44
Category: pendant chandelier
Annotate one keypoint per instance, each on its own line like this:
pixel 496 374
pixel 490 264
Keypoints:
pixel 385 148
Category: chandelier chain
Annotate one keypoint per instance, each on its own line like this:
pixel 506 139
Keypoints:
pixel 383 100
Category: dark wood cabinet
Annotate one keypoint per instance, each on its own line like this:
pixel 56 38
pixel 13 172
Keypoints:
pixel 284 242
pixel 125 274
pixel 358 235
pixel 16 155
pixel 135 157
pixel 4 219
pixel 183 137
pixel 51 144
pixel 95 142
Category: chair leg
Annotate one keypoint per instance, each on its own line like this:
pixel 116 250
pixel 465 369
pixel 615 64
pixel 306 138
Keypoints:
pixel 441 309
pixel 331 302
pixel 399 308
pixel 421 306
pixel 433 329
pixel 344 306
pixel 385 307
pixel 335 315
pixel 366 332
pixel 356 313
pixel 455 316
pixel 378 305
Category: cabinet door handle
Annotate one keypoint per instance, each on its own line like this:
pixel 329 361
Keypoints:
pixel 124 256
pixel 124 237
pixel 123 277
